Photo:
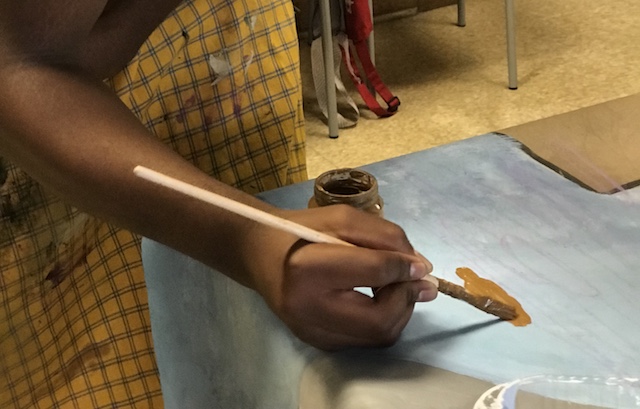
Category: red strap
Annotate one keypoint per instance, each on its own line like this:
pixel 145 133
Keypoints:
pixel 357 16
pixel 372 74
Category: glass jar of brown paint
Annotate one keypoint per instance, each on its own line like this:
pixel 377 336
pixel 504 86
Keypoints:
pixel 349 186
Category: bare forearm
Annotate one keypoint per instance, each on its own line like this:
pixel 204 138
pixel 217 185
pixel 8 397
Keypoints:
pixel 60 124
pixel 75 137
pixel 119 32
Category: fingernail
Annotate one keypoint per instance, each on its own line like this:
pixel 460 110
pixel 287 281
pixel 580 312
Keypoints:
pixel 417 271
pixel 425 295
pixel 432 280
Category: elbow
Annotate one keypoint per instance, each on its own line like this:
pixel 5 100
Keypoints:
pixel 105 65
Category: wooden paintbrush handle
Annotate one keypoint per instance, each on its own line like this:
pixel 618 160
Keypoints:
pixel 485 304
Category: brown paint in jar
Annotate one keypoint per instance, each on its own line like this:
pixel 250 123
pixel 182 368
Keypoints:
pixel 353 187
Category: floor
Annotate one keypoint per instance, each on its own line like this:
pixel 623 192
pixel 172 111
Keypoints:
pixel 452 81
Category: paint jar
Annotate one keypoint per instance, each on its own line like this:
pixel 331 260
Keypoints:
pixel 349 186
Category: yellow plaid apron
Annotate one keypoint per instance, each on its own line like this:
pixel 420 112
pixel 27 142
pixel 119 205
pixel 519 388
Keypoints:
pixel 219 82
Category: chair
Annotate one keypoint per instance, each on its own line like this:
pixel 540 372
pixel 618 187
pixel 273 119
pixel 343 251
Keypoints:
pixel 327 43
pixel 511 38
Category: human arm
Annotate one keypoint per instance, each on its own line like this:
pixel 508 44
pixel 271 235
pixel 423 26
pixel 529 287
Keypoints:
pixel 61 125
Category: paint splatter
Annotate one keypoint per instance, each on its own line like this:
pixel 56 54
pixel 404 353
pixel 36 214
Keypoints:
pixel 221 68
pixel 190 102
pixel 247 60
pixel 237 103
pixel 180 117
pixel 251 22
pixel 61 270
pixel 72 250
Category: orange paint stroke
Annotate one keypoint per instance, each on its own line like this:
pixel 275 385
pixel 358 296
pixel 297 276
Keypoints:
pixel 482 287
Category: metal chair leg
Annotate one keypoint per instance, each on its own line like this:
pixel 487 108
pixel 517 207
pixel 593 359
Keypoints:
pixel 329 72
pixel 511 44
pixel 462 13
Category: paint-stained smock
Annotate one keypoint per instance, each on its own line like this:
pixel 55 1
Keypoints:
pixel 219 82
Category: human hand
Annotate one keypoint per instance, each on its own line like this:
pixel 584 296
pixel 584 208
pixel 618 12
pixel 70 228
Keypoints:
pixel 310 286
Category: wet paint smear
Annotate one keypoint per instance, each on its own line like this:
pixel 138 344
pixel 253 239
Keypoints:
pixel 486 288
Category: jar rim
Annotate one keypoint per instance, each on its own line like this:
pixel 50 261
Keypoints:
pixel 358 186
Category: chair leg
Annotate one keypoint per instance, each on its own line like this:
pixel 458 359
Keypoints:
pixel 371 40
pixel 511 44
pixel 462 13
pixel 329 72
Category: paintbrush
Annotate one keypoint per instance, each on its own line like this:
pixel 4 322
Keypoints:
pixel 486 304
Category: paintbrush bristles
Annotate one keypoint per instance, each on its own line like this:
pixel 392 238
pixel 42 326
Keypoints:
pixel 485 304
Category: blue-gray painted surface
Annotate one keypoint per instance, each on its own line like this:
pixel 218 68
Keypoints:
pixel 570 256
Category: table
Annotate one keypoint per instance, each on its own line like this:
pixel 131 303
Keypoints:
pixel 569 255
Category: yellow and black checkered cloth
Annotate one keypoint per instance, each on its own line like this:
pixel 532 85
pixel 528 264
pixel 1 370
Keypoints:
pixel 219 82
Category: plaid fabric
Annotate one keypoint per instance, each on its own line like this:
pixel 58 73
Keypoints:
pixel 219 82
